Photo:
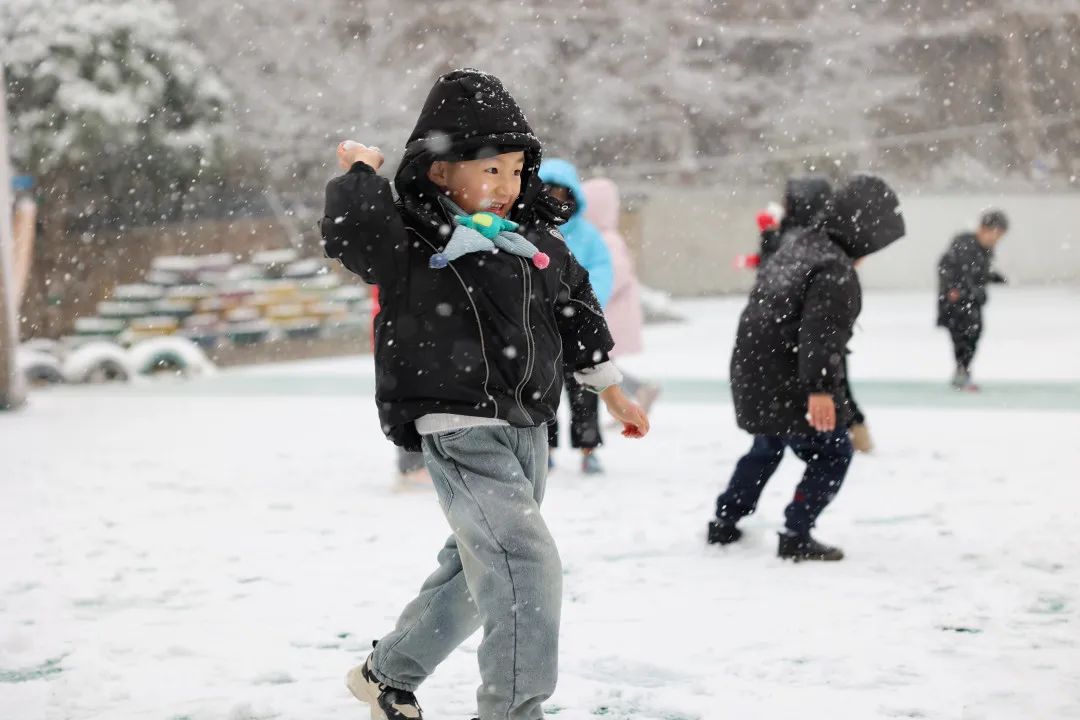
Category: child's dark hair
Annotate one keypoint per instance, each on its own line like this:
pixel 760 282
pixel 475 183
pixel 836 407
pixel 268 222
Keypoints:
pixel 994 220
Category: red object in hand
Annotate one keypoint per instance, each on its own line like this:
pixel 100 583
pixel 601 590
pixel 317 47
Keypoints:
pixel 631 431
pixel 766 221
pixel 748 261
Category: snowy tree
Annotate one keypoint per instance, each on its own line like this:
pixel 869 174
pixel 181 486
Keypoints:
pixel 92 78
pixel 118 117
pixel 739 91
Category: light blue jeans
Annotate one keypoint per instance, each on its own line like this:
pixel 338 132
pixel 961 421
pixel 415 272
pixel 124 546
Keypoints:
pixel 499 570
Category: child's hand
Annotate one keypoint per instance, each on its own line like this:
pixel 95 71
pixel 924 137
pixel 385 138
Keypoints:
pixel 821 412
pixel 629 413
pixel 349 152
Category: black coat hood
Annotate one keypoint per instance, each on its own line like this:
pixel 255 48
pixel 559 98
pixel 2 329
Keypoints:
pixel 864 216
pixel 804 199
pixel 468 114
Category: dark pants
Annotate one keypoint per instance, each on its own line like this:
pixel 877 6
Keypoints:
pixel 827 457
pixel 965 326
pixel 965 339
pixel 584 417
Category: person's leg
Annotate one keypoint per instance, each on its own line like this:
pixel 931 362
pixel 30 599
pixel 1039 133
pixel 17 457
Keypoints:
pixel 430 627
pixel 962 351
pixel 965 330
pixel 974 333
pixel 751 473
pixel 491 481
pixel 408 462
pixel 584 416
pixel 439 619
pixel 827 457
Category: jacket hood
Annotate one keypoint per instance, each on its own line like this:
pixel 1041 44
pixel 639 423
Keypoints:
pixel 804 198
pixel 864 216
pixel 561 172
pixel 602 195
pixel 467 115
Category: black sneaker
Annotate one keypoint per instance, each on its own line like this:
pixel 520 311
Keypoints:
pixel 721 533
pixel 386 703
pixel 803 547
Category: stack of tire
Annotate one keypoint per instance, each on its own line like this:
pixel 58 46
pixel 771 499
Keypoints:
pixel 48 362
pixel 214 300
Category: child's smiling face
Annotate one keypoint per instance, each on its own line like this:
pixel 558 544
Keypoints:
pixel 490 184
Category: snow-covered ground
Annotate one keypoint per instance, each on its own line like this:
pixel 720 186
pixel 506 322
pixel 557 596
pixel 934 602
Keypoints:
pixel 227 548
pixel 1031 334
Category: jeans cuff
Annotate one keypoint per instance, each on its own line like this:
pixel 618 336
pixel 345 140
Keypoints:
pixel 391 682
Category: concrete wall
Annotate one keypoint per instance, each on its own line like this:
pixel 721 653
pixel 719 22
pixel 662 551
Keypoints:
pixel 1042 247
pixel 686 240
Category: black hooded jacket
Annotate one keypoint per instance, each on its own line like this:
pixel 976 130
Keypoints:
pixel 488 335
pixel 804 199
pixel 794 332
pixel 966 268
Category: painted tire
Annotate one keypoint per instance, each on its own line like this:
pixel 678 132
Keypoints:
pixel 174 354
pixel 40 368
pixel 97 362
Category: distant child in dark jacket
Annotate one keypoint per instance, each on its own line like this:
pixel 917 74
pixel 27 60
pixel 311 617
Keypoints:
pixel 963 273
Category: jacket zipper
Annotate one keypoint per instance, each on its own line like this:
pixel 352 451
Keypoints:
pixel 530 355
pixel 479 325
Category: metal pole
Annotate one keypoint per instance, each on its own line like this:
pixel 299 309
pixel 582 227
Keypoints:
pixel 12 384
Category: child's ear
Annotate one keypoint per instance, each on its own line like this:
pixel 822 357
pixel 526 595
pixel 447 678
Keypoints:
pixel 438 173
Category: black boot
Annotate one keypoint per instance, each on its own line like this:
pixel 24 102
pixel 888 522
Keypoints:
pixel 803 547
pixel 722 533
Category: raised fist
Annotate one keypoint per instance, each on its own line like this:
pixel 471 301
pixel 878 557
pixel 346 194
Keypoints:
pixel 350 151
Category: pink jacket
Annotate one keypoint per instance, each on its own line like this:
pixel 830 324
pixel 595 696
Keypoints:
pixel 623 311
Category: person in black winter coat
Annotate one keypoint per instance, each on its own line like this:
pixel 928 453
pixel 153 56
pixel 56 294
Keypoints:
pixel 964 271
pixel 788 369
pixel 805 198
pixel 482 305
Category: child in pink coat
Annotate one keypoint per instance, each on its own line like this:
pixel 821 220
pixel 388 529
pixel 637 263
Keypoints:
pixel 623 311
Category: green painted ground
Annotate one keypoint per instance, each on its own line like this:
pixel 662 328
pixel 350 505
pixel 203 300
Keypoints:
pixel 996 395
